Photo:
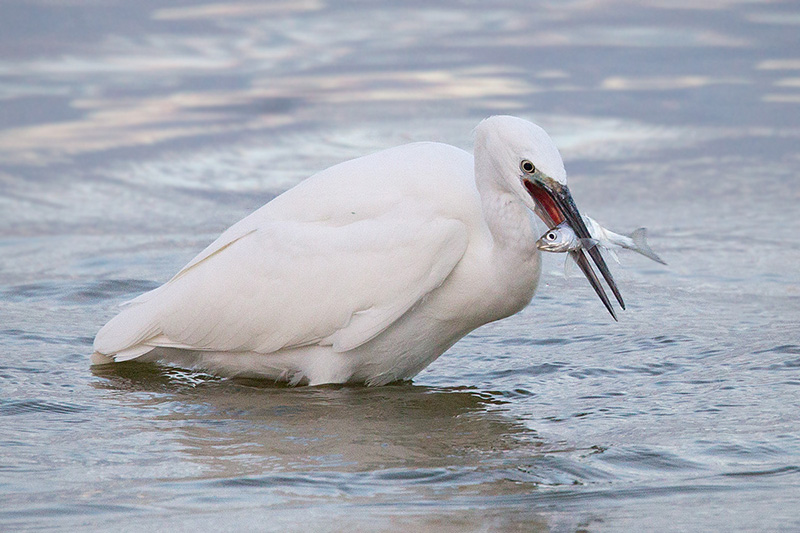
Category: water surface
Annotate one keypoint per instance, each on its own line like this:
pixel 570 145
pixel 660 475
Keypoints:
pixel 131 135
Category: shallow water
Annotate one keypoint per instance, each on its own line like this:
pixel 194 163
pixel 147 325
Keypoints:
pixel 130 136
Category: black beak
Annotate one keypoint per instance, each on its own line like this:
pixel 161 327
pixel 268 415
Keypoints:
pixel 556 205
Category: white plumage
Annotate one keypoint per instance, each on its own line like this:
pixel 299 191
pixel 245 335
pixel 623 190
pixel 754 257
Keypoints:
pixel 365 272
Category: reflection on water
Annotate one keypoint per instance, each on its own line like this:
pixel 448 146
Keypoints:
pixel 401 444
pixel 234 429
pixel 131 134
pixel 156 88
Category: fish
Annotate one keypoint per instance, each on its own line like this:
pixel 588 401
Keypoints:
pixel 562 238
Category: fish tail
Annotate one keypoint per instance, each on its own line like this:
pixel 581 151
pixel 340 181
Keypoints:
pixel 639 238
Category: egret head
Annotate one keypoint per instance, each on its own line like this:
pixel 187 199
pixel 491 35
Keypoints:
pixel 525 161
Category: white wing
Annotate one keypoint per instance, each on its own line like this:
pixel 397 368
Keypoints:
pixel 265 285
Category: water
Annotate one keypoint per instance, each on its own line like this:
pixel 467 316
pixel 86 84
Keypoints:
pixel 131 135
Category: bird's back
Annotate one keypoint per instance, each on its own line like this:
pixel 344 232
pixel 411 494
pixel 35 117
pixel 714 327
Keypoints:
pixel 426 172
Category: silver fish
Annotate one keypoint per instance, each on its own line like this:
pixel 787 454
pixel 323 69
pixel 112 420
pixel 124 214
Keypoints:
pixel 562 238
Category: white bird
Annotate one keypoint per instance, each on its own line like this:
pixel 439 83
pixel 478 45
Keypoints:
pixel 367 271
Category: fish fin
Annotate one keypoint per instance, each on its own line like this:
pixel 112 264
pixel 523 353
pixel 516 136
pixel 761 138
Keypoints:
pixel 639 238
pixel 569 266
pixel 589 243
pixel 612 253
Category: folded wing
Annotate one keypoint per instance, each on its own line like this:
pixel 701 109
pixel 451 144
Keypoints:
pixel 267 285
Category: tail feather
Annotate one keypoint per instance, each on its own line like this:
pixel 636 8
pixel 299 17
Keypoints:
pixel 639 238
pixel 122 338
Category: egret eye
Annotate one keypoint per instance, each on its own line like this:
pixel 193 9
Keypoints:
pixel 527 167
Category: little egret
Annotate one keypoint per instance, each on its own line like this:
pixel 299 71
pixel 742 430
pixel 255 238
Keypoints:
pixel 367 271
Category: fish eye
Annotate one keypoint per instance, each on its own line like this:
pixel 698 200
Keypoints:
pixel 527 167
pixel 551 236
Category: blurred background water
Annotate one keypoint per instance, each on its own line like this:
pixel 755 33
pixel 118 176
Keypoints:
pixel 131 134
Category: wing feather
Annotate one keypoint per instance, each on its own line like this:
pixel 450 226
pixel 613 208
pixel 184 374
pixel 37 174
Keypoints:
pixel 286 284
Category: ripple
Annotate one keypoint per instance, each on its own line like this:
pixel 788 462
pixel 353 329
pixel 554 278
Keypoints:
pixel 88 292
pixel 783 348
pixel 555 471
pixel 334 483
pixel 653 369
pixel 509 394
pixel 28 336
pixel 791 364
pixel 593 372
pixel 532 370
pixel 653 459
pixel 60 511
pixel 19 407
pixel 419 476
pixel 106 289
pixel 745 450
pixel 780 471
pixel 532 341
pixel 135 376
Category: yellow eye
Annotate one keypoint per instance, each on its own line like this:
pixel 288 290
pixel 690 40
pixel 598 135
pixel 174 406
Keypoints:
pixel 527 167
